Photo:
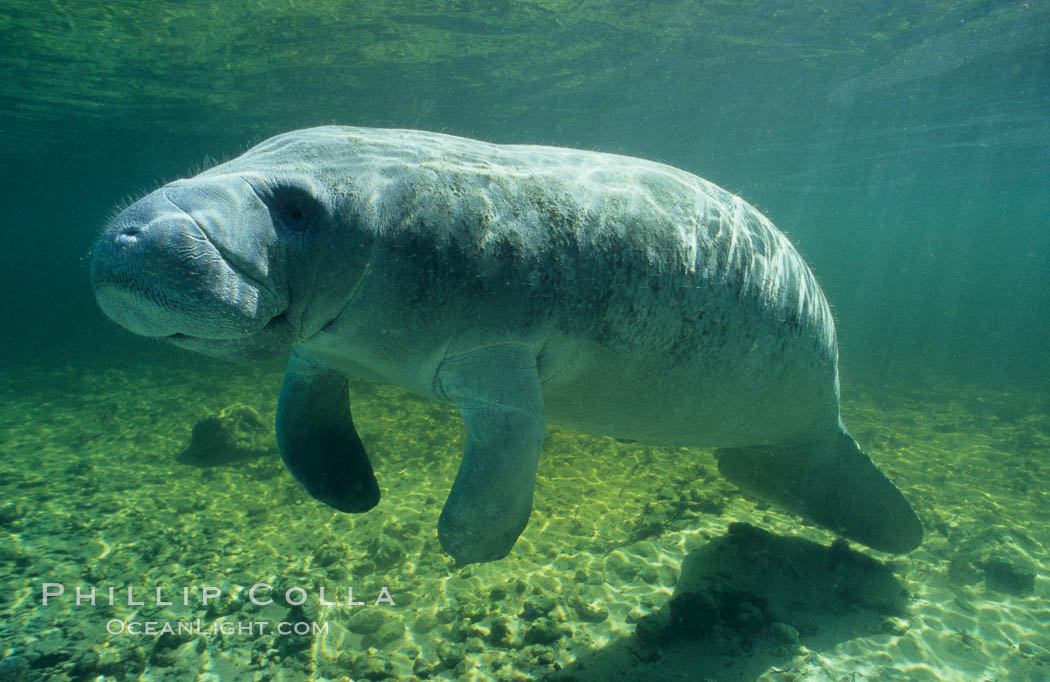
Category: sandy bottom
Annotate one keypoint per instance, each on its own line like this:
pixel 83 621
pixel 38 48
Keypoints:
pixel 639 563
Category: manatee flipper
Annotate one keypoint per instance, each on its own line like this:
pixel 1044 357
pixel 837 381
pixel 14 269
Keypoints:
pixel 497 391
pixel 831 482
pixel 317 439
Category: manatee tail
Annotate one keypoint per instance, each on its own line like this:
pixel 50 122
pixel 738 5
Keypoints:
pixel 831 482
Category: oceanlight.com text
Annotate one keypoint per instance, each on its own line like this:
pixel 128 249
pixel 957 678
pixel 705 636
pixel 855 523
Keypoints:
pixel 153 628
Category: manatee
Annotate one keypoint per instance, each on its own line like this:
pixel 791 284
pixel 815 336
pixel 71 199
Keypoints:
pixel 613 295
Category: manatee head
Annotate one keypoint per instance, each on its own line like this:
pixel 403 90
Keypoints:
pixel 225 263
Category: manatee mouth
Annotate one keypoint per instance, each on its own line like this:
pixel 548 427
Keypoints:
pixel 269 342
pixel 277 322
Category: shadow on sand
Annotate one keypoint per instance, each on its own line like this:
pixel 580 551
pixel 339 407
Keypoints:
pixel 745 604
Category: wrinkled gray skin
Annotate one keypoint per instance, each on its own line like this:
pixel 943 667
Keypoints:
pixel 611 294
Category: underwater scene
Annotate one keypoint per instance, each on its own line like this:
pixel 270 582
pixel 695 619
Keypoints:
pixel 293 391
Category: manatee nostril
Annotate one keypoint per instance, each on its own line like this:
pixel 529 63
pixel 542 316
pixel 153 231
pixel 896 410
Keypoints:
pixel 128 235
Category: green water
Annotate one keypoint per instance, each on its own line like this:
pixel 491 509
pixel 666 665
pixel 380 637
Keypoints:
pixel 904 147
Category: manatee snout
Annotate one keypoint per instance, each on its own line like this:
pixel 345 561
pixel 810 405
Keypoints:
pixel 187 262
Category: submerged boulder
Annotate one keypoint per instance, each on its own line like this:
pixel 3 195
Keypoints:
pixel 236 433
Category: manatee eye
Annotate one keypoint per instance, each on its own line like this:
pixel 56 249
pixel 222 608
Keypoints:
pixel 294 208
